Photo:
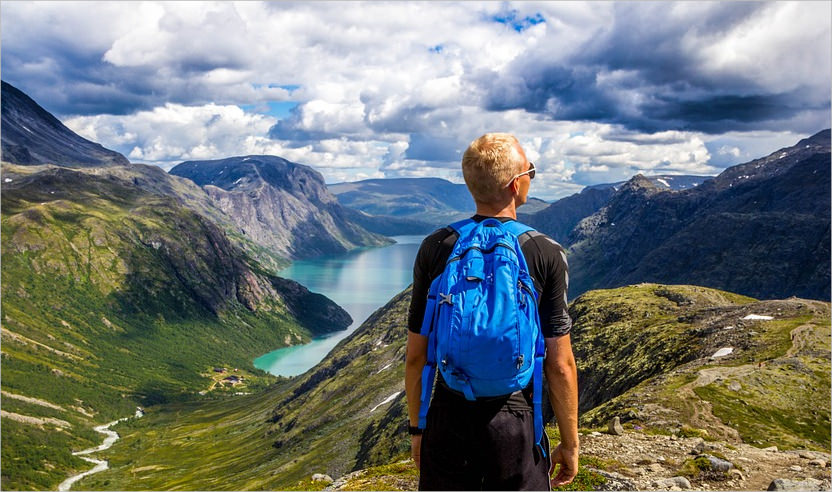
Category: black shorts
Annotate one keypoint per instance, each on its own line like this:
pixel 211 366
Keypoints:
pixel 481 445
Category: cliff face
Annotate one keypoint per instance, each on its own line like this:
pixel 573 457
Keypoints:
pixel 760 229
pixel 33 136
pixel 559 218
pixel 279 204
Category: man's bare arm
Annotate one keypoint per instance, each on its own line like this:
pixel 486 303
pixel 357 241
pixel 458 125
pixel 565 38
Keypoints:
pixel 415 359
pixel 562 377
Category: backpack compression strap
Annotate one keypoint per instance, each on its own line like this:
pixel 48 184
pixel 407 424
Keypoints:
pixel 429 371
pixel 537 392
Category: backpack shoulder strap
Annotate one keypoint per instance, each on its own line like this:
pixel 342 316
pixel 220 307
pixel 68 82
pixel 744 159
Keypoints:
pixel 462 226
pixel 517 228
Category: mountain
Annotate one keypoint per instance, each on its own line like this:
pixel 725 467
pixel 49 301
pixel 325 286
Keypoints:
pixel 662 181
pixel 31 135
pixel 410 205
pixel 422 198
pixel 279 204
pixel 559 218
pixel 114 297
pixel 760 229
pixel 635 345
pixel 742 370
pixel 122 285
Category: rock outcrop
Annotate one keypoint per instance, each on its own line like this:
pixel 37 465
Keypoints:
pixel 280 205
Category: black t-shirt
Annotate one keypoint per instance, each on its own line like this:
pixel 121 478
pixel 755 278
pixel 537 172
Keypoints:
pixel 547 266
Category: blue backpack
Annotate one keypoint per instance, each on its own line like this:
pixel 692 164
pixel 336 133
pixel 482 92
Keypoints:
pixel 481 319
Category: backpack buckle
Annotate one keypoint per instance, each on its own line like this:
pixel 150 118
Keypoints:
pixel 520 362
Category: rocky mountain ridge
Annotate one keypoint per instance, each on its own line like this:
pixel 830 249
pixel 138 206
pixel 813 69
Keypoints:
pixel 760 228
pixel 31 136
pixel 279 204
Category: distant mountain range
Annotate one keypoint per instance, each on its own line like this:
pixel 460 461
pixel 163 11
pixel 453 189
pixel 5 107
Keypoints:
pixel 760 229
pixel 279 204
pixel 675 182
pixel 410 205
pixel 560 218
pixel 31 135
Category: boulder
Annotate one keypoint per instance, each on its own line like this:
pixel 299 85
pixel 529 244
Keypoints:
pixel 786 484
pixel 718 464
pixel 320 477
pixel 615 427
pixel 673 483
pixel 614 481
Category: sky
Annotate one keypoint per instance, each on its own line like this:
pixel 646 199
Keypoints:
pixel 596 92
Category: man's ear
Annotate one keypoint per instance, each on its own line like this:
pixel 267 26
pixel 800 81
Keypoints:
pixel 514 186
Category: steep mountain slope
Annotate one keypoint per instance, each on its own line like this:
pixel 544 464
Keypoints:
pixel 559 218
pixel 760 229
pixel 114 296
pixel 33 136
pixel 279 204
pixel 348 412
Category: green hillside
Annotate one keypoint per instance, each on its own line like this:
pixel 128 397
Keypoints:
pixel 332 420
pixel 640 344
pixel 114 296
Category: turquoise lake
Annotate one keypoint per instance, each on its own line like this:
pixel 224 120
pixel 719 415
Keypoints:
pixel 360 281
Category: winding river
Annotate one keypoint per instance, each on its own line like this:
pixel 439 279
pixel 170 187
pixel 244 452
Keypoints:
pixel 360 281
pixel 111 437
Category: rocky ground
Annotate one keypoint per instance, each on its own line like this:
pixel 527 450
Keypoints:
pixel 634 460
pixel 638 461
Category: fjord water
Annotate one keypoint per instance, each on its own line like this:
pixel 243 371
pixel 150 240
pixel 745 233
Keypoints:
pixel 359 281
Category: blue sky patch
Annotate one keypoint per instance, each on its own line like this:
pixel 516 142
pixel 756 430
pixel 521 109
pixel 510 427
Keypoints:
pixel 277 109
pixel 519 24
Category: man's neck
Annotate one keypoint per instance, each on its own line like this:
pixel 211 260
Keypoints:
pixel 490 210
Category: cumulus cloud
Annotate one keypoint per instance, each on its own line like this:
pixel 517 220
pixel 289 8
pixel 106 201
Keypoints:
pixel 596 91
pixel 711 68
pixel 173 133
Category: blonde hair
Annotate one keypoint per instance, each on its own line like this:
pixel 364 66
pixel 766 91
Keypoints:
pixel 488 165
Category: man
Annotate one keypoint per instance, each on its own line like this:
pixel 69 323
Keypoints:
pixel 488 444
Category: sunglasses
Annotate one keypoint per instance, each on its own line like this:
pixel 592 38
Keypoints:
pixel 530 172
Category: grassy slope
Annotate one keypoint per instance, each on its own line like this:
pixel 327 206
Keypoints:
pixel 318 422
pixel 113 297
pixel 774 389
pixel 637 337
